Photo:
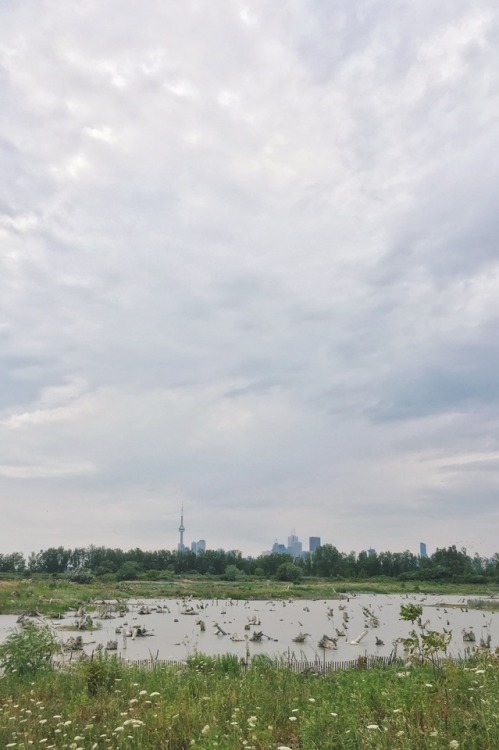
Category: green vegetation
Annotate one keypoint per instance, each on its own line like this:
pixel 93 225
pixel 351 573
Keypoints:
pixel 218 703
pixel 55 596
pixel 28 651
pixel 82 565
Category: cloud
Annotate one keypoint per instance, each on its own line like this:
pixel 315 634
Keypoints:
pixel 247 263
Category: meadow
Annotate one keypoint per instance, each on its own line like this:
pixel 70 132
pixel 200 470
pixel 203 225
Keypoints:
pixel 221 704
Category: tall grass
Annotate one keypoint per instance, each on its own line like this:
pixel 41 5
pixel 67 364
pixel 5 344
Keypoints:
pixel 218 703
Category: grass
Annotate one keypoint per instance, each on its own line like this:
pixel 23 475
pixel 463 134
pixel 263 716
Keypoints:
pixel 217 704
pixel 56 596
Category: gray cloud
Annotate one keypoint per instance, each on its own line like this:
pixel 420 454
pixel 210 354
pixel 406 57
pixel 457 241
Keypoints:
pixel 248 263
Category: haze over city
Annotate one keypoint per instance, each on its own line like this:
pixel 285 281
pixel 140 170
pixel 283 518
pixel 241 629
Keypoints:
pixel 249 264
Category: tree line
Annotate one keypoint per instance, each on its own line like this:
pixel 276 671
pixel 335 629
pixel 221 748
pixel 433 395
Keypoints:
pixel 84 563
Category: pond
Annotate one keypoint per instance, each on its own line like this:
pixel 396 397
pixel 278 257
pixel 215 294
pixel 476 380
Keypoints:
pixel 177 628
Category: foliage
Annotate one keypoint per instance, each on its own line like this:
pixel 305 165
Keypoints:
pixel 81 575
pixel 232 573
pixel 28 651
pixel 288 572
pixel 259 706
pixel 423 645
pixel 446 564
pixel 100 672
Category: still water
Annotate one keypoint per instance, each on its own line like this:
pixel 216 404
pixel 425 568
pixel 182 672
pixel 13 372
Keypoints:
pixel 174 630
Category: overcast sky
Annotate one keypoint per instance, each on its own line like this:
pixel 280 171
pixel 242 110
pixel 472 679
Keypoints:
pixel 249 264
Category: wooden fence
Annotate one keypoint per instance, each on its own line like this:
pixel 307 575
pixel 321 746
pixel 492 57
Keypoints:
pixel 315 666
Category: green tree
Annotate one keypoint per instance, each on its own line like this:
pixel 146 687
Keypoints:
pixel 288 571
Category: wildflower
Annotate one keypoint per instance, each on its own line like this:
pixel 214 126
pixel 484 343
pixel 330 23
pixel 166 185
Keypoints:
pixel 428 684
pixel 153 695
pixel 143 692
pixel 311 700
pixel 205 729
pixel 292 718
pixel 372 726
pixel 453 744
pixel 333 714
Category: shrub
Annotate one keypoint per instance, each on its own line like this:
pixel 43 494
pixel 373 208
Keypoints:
pixel 100 673
pixel 81 575
pixel 29 650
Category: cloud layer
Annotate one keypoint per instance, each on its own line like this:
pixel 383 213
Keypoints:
pixel 249 264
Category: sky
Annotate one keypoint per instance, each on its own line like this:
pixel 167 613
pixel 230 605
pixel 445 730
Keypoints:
pixel 249 265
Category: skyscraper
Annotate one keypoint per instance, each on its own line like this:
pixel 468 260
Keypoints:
pixel 422 550
pixel 294 545
pixel 314 542
pixel 181 528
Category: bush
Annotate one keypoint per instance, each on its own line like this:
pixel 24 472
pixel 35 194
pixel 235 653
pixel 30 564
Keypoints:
pixel 288 572
pixel 100 673
pixel 81 575
pixel 29 651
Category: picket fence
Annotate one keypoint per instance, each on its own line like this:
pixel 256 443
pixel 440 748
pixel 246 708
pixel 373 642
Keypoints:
pixel 315 666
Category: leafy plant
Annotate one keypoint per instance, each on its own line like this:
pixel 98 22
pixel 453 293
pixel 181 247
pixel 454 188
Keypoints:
pixel 100 673
pixel 29 650
pixel 423 645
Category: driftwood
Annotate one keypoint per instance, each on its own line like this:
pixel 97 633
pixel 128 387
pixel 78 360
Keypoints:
pixel 259 635
pixel 112 646
pixel 327 642
pixel 357 640
pixel 74 643
pixel 301 637
pixel 220 631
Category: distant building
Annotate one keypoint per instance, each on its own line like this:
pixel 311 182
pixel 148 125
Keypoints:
pixel 294 546
pixel 371 551
pixel 314 542
pixel 279 549
pixel 198 547
pixel 422 550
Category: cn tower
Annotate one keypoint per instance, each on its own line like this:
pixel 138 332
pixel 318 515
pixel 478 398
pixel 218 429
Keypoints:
pixel 181 529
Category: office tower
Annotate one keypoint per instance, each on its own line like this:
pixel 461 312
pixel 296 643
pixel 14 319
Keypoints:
pixel 314 542
pixel 199 546
pixel 422 550
pixel 294 545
